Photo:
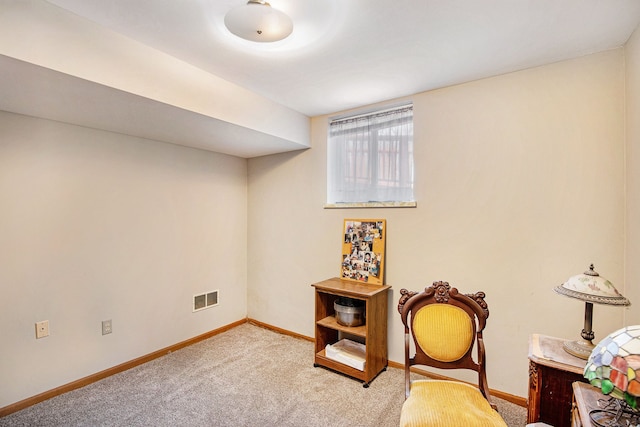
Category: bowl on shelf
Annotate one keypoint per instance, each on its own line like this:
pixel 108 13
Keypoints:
pixel 349 311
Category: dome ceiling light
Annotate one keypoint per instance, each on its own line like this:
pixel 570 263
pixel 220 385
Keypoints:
pixel 257 21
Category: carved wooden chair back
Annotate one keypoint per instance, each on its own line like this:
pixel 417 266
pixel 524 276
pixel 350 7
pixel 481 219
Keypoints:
pixel 445 326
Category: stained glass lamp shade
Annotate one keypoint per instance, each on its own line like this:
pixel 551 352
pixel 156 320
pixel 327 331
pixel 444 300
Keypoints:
pixel 591 288
pixel 614 366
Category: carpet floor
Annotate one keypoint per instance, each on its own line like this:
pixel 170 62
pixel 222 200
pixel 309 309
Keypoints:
pixel 247 376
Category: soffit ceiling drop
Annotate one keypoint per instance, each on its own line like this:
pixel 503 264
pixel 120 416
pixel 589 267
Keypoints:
pixel 341 54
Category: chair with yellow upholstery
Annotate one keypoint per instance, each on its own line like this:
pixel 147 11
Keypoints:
pixel 446 326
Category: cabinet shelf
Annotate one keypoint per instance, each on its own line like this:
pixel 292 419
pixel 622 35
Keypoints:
pixel 331 323
pixel 373 332
pixel 322 359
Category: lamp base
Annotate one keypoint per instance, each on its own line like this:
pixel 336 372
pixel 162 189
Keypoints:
pixel 579 348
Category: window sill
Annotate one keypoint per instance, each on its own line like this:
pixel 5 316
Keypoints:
pixel 371 205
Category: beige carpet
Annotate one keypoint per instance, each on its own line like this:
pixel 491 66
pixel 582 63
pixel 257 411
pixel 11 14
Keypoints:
pixel 247 376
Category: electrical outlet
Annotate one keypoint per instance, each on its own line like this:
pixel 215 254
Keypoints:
pixel 42 329
pixel 106 327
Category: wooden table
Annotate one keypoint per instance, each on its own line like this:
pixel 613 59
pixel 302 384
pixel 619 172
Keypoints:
pixel 552 371
pixel 585 398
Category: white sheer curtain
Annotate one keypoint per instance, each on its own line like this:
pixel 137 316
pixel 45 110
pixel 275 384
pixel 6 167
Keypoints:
pixel 370 157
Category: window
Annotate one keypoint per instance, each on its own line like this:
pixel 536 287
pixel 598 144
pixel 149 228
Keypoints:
pixel 370 157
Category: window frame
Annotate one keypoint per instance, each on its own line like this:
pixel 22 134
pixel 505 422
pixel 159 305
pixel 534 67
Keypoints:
pixel 373 142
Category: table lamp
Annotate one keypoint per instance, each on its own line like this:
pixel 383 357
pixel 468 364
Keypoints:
pixel 589 287
pixel 614 367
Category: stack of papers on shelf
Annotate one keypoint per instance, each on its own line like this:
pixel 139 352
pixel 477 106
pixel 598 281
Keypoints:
pixel 349 352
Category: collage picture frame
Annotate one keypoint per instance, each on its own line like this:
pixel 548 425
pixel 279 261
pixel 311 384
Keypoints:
pixel 363 250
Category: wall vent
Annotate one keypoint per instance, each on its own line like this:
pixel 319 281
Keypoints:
pixel 206 300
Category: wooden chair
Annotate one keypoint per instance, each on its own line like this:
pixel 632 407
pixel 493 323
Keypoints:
pixel 445 326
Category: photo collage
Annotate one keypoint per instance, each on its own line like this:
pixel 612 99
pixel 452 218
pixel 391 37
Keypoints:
pixel 363 250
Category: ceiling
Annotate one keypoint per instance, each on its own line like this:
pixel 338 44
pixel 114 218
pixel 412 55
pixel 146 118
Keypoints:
pixel 346 54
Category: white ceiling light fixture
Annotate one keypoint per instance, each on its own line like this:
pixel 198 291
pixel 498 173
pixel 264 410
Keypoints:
pixel 257 21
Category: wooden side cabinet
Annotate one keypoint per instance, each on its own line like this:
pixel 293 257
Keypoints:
pixel 592 408
pixel 552 371
pixel 373 333
pixel 585 398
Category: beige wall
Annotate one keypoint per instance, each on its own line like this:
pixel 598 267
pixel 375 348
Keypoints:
pixel 96 226
pixel 632 256
pixel 519 183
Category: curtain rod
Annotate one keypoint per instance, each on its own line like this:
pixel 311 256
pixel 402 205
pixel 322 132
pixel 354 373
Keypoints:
pixel 370 112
